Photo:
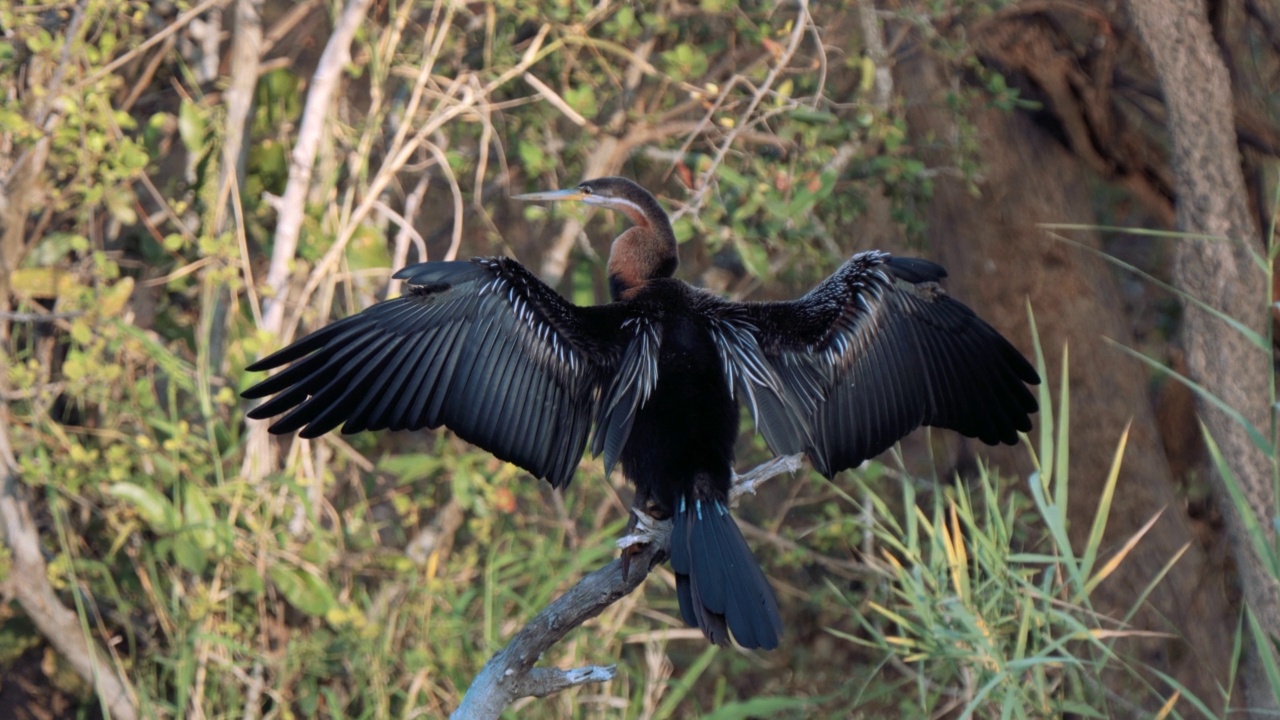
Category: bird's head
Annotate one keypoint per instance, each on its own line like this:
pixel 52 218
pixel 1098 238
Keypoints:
pixel 642 252
pixel 613 193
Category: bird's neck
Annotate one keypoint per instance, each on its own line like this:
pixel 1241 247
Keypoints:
pixel 642 253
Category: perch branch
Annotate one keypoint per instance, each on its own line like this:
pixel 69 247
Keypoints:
pixel 510 674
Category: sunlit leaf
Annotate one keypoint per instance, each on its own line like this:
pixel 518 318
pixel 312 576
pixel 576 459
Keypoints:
pixel 302 589
pixel 154 507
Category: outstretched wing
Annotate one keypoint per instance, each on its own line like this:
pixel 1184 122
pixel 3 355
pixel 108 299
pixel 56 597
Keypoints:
pixel 482 347
pixel 870 354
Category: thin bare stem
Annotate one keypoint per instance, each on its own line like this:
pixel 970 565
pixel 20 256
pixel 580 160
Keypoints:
pixel 292 210
pixel 803 20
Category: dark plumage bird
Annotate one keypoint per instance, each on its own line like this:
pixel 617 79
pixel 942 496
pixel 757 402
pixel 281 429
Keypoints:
pixel 488 350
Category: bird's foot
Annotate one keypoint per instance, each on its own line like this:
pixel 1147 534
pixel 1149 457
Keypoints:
pixel 746 483
pixel 643 529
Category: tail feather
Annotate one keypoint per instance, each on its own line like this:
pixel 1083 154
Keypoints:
pixel 719 584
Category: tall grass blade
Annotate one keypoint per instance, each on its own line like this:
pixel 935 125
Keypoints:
pixel 1168 706
pixel 1110 566
pixel 1257 536
pixel 1054 514
pixel 1062 452
pixel 1265 643
pixel 1254 434
pixel 1155 581
pixel 1134 231
pixel 680 689
pixel 1258 339
pixel 1094 541
pixel 1045 420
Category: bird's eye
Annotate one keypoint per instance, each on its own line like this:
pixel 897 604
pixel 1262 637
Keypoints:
pixel 586 189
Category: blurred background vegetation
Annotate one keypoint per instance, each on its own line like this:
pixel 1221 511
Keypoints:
pixel 182 195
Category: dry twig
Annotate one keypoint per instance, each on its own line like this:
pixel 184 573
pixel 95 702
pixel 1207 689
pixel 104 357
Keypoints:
pixel 803 21
pixel 292 207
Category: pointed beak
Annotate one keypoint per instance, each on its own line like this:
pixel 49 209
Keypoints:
pixel 551 196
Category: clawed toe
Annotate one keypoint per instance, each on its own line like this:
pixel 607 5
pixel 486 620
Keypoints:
pixel 643 529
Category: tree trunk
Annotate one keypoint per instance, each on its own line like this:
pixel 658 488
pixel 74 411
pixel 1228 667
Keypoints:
pixel 1211 200
pixel 999 259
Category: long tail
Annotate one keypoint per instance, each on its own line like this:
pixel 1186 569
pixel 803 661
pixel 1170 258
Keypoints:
pixel 720 585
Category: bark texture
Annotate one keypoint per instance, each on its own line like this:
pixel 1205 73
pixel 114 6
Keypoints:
pixel 1211 199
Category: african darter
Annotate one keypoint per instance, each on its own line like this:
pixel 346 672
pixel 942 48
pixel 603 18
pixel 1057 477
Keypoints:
pixel 488 350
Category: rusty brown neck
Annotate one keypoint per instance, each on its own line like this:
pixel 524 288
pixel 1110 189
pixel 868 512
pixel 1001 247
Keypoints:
pixel 641 253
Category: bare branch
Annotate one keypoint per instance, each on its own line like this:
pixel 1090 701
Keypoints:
pixel 182 21
pixel 559 103
pixel 29 582
pixel 462 99
pixel 541 682
pixel 803 20
pixel 40 317
pixel 407 233
pixel 292 206
pixel 504 678
pixel 605 159
pixel 1227 277
pixel 746 483
pixel 510 674
pixel 876 53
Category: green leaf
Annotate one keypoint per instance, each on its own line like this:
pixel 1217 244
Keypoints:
pixel 582 99
pixel 685 61
pixel 754 257
pixel 191 126
pixel 189 555
pixel 813 116
pixel 758 707
pixel 368 249
pixel 249 581
pixel 198 517
pixel 535 161
pixel 302 589
pixel 120 205
pixel 154 507
pixel 409 468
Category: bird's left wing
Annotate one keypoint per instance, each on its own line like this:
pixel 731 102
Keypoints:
pixel 870 354
pixel 482 347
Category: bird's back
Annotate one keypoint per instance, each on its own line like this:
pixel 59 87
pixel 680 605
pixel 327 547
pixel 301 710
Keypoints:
pixel 685 432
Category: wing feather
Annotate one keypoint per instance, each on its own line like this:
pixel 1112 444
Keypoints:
pixel 482 347
pixel 873 352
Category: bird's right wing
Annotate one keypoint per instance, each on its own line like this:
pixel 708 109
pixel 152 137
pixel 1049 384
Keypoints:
pixel 482 347
pixel 870 354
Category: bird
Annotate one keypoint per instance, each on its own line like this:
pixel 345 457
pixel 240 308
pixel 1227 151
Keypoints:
pixel 488 350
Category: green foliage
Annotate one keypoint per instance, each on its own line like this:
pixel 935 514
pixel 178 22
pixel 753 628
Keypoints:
pixel 325 578
pixel 986 601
